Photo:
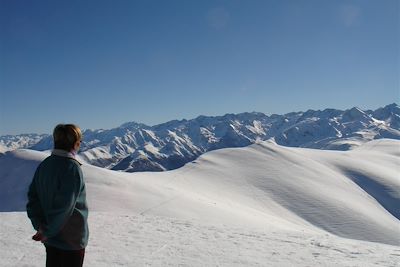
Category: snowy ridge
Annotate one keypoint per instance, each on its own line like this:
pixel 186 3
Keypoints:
pixel 137 147
pixel 12 142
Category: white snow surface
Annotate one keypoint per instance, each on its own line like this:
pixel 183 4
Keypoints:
pixel 261 205
pixel 148 240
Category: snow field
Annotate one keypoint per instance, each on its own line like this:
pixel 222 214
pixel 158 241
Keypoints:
pixel 147 240
pixel 262 205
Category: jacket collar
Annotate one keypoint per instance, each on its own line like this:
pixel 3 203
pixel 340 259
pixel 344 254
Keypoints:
pixel 65 154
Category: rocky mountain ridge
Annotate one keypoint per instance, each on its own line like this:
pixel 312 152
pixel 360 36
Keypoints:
pixel 138 147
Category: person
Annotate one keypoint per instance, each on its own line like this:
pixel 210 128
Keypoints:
pixel 57 204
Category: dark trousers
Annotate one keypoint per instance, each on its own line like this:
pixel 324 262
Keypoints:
pixel 64 258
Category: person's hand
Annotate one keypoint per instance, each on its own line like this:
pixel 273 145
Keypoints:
pixel 39 236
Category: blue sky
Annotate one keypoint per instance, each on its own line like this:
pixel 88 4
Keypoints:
pixel 102 63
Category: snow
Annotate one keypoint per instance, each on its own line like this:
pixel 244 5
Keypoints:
pixel 256 128
pixel 12 142
pixel 151 134
pixel 261 205
pixel 97 152
pixel 149 147
pixel 208 135
pixel 3 148
pixel 147 240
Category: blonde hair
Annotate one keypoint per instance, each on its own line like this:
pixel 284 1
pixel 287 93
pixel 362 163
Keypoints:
pixel 65 136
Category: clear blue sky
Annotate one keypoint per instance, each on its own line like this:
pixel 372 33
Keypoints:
pixel 101 63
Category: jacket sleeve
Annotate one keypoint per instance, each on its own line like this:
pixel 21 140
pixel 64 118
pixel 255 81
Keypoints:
pixel 64 201
pixel 33 207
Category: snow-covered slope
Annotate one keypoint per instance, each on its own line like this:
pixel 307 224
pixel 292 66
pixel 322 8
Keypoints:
pixel 262 205
pixel 353 194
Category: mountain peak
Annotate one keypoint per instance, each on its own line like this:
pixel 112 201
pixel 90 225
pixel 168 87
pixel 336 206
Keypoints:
pixel 354 114
pixel 132 125
pixel 394 108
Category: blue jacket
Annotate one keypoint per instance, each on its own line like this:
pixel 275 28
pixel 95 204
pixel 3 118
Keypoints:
pixel 57 202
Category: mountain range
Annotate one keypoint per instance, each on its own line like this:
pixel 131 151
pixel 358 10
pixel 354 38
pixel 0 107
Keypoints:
pixel 134 147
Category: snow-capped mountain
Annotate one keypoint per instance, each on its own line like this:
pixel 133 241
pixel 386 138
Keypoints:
pixel 390 114
pixel 139 147
pixel 12 142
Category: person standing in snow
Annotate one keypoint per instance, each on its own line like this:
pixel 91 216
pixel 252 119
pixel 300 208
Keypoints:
pixel 57 204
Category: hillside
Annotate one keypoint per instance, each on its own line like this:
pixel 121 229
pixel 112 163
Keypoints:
pixel 353 194
pixel 262 204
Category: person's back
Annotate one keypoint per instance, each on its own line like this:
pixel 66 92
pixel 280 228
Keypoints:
pixel 57 202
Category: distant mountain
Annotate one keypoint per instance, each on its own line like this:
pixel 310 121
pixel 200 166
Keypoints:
pixel 13 142
pixel 138 147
